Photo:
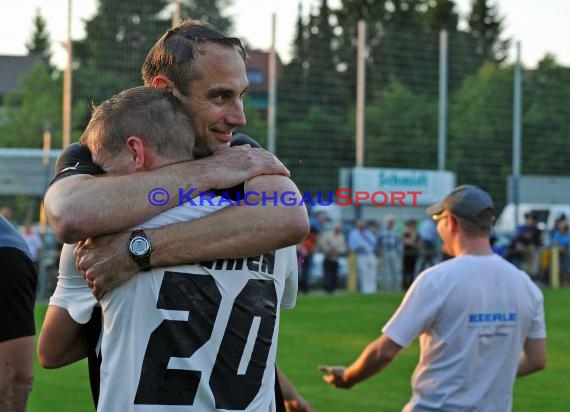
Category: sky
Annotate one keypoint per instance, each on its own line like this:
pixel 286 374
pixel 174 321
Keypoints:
pixel 540 26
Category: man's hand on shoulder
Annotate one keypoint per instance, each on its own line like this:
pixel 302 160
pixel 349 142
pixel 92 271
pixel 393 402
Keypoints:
pixel 105 263
pixel 231 166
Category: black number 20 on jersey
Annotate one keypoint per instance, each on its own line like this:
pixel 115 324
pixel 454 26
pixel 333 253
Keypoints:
pixel 199 295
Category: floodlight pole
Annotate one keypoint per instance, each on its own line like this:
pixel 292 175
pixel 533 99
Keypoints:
pixel 67 75
pixel 360 91
pixel 176 13
pixel 272 93
pixel 517 96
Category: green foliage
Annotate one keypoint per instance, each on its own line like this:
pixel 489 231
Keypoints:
pixel 208 10
pixel 486 26
pixel 480 130
pixel 30 109
pixel 256 126
pixel 545 118
pixel 39 41
pixel 314 147
pixel 398 115
pixel 118 38
pixel 441 14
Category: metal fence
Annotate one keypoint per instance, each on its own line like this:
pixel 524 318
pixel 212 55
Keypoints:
pixel 404 116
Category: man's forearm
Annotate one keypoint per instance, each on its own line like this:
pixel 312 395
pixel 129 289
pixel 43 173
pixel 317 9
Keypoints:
pixel 82 205
pixel 16 373
pixel 235 231
pixel 373 359
pixel 60 342
pixel 533 357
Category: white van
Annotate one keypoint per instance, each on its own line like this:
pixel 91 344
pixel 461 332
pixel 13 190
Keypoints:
pixel 546 213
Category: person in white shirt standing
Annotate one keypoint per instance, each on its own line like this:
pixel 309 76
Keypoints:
pixel 480 320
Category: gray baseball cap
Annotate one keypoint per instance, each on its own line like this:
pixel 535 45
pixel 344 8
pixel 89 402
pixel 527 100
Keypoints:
pixel 468 202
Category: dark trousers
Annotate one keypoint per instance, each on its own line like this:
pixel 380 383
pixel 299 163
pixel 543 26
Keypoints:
pixel 409 269
pixel 330 270
pixel 305 273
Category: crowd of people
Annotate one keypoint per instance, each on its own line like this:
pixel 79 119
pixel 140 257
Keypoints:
pixel 388 255
pixel 532 245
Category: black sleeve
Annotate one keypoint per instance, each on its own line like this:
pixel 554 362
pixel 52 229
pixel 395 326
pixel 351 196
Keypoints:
pixel 239 139
pixel 17 294
pixel 75 160
pixel 237 192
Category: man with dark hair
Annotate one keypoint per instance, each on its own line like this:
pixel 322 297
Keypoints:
pixel 479 319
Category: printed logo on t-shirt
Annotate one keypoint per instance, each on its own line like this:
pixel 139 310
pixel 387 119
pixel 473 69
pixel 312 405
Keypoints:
pixel 492 324
pixel 492 317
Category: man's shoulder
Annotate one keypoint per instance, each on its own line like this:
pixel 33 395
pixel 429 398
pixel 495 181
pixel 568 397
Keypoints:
pixel 240 139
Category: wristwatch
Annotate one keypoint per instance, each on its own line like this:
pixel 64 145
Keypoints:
pixel 140 249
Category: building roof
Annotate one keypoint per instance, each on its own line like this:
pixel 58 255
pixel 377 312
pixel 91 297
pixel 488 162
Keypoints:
pixel 12 68
pixel 257 65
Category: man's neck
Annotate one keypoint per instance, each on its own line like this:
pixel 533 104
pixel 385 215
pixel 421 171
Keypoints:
pixel 479 246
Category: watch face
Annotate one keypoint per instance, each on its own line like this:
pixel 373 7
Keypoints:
pixel 139 246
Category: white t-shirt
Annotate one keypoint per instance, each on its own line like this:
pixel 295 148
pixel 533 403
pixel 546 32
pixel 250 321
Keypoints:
pixel 210 329
pixel 473 315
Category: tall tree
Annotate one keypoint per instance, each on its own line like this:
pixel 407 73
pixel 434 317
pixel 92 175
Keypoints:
pixel 39 42
pixel 545 119
pixel 401 128
pixel 293 80
pixel 485 25
pixel 110 57
pixel 480 130
pixel 442 15
pixel 320 65
pixel 208 10
pixel 30 109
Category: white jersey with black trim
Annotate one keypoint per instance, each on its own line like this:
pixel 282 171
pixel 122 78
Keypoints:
pixel 196 337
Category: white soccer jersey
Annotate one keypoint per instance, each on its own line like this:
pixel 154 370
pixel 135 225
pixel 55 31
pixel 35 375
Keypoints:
pixel 71 292
pixel 196 337
pixel 473 315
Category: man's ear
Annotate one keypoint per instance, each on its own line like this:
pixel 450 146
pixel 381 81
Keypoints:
pixel 162 82
pixel 135 147
pixel 453 222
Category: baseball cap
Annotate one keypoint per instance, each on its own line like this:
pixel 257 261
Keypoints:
pixel 468 202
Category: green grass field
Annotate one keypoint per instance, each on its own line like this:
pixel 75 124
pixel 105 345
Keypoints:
pixel 333 330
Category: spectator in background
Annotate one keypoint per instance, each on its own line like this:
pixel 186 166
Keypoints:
pixel 561 239
pixel 375 227
pixel 428 253
pixel 34 242
pixel 389 249
pixel 362 242
pixel 318 221
pixel 305 251
pixel 526 244
pixel 6 212
pixel 559 222
pixel 17 328
pixel 411 242
pixel 333 244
